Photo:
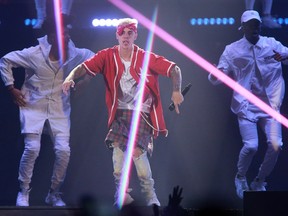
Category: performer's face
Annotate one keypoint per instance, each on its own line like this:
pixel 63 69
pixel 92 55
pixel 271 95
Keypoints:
pixel 252 30
pixel 65 37
pixel 127 38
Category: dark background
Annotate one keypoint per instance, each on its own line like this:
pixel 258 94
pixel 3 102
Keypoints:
pixel 201 150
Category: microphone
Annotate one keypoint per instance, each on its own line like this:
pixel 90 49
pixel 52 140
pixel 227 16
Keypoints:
pixel 184 91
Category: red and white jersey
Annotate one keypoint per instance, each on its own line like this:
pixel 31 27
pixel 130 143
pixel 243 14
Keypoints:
pixel 108 63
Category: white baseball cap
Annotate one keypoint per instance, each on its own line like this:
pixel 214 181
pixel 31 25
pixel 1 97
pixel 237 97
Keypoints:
pixel 250 14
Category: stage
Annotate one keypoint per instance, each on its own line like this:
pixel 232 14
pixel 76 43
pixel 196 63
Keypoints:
pixel 201 150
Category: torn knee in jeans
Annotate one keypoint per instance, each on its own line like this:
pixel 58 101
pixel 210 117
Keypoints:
pixel 137 152
pixel 115 144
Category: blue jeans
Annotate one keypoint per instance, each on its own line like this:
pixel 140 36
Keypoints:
pixel 143 169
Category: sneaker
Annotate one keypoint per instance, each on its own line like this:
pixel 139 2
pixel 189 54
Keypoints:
pixel 153 201
pixel 54 199
pixel 269 22
pixel 23 198
pixel 257 185
pixel 241 186
pixel 128 199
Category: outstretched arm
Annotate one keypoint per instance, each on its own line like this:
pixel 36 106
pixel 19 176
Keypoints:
pixel 76 73
pixel 177 96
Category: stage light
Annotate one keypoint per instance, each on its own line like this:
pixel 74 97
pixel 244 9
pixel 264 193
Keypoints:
pixel 275 19
pixel 199 21
pixel 212 21
pixel 33 22
pixel 218 21
pixel 206 21
pixel 104 22
pixel 27 22
pixel 280 21
pixel 109 22
pixel 30 22
pixel 231 20
pixel 193 21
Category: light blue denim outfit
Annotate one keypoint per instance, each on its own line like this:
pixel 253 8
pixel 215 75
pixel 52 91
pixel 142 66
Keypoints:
pixel 254 68
pixel 47 107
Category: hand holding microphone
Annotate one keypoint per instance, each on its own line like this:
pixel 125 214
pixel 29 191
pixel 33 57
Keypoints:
pixel 184 91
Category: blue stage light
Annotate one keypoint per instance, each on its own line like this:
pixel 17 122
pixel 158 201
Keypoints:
pixel 224 21
pixel 206 21
pixel 280 21
pixel 27 22
pixel 231 20
pixel 199 21
pixel 212 21
pixel 193 21
pixel 33 22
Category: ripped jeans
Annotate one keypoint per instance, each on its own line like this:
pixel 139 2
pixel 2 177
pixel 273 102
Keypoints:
pixel 143 169
pixel 30 154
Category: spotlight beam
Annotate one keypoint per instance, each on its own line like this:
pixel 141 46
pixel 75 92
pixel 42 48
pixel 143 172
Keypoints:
pixel 207 66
